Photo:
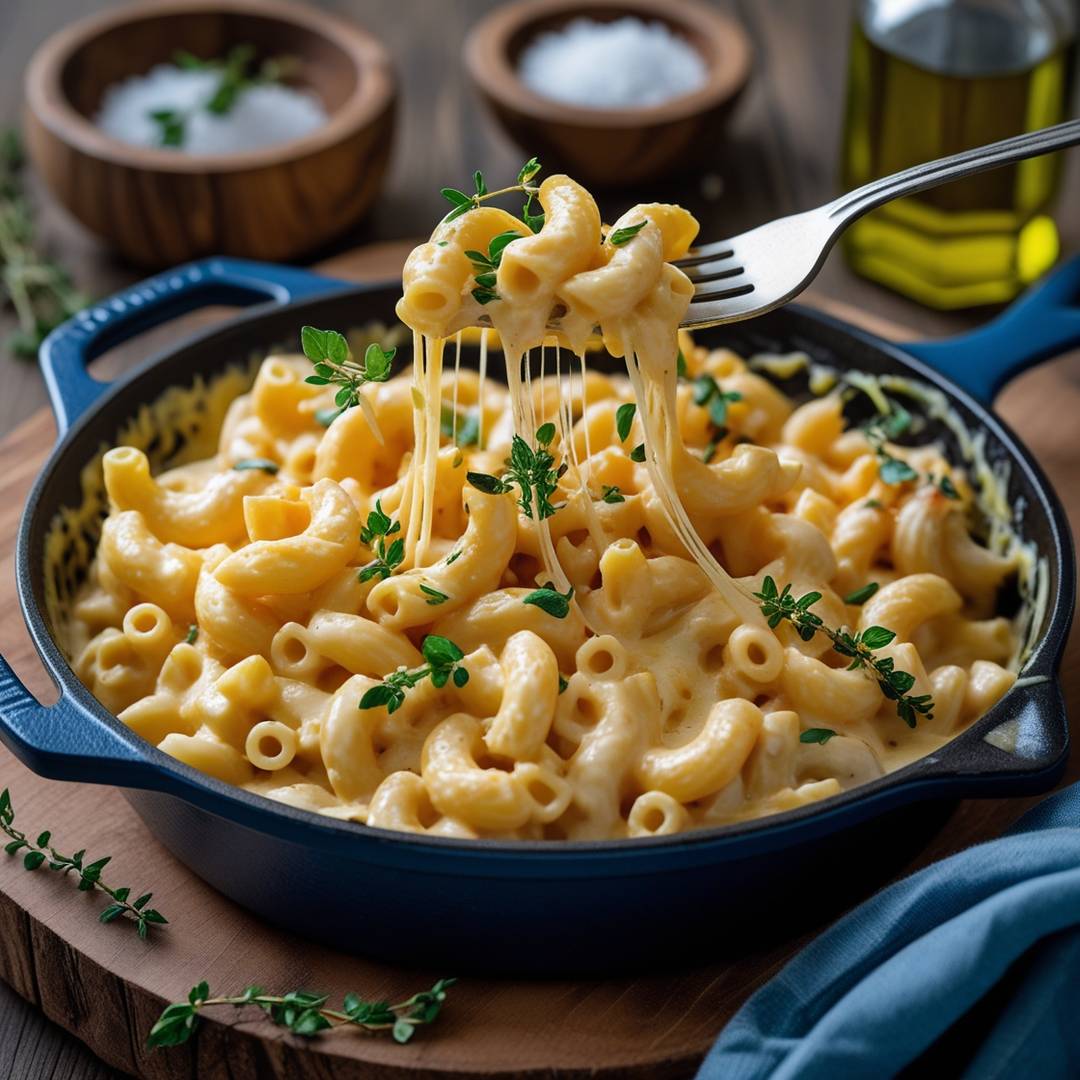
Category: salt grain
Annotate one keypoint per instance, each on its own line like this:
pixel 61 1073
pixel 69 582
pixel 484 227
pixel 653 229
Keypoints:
pixel 263 114
pixel 611 65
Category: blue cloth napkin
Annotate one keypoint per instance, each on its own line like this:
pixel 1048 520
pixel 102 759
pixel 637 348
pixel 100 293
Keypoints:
pixel 968 968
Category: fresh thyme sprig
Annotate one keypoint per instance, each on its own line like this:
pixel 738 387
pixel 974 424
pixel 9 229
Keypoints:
pixel 374 533
pixel 40 289
pixel 612 493
pixel 40 852
pixel 533 471
pixel 443 664
pixel 462 203
pixel 781 606
pixel 329 352
pixel 304 1013
pixel 233 80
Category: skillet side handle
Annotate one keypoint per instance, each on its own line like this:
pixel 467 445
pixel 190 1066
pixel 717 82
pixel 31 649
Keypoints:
pixel 68 350
pixel 1043 323
pixel 1023 753
pixel 63 742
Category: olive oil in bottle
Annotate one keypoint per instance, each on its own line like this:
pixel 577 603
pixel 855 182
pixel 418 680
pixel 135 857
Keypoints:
pixel 929 78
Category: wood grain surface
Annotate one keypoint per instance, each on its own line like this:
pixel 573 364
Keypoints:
pixel 781 158
pixel 106 987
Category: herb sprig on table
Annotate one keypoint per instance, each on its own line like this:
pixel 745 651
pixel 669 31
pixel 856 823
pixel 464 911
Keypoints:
pixel 305 1013
pixel 234 77
pixel 39 852
pixel 780 605
pixel 533 471
pixel 39 289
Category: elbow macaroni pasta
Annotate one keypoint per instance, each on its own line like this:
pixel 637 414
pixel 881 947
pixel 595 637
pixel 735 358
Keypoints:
pixel 224 619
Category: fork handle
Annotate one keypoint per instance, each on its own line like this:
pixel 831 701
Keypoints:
pixel 932 173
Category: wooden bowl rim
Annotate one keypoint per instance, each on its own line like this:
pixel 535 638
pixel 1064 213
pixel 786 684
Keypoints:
pixel 488 62
pixel 45 97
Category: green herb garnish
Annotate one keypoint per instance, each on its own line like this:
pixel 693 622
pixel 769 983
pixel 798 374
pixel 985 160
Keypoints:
pixel 462 203
pixel 552 601
pixel 533 471
pixel 779 606
pixel 628 232
pixel 485 266
pixel 680 365
pixel 40 852
pixel 891 425
pixel 329 353
pixel 945 486
pixel 263 464
pixel 860 596
pixel 638 453
pixel 443 663
pixel 817 735
pixel 563 682
pixel 304 1013
pixel 707 393
pixel 233 80
pixel 624 419
pixel 467 427
pixel 192 634
pixel 40 289
pixel 873 504
pixel 612 494
pixel 434 596
pixel 374 534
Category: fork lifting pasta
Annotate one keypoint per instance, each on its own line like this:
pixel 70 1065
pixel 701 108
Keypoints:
pixel 553 608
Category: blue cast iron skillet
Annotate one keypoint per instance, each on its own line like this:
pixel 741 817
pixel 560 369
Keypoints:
pixel 525 907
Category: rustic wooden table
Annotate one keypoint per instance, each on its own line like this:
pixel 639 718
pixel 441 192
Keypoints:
pixel 781 158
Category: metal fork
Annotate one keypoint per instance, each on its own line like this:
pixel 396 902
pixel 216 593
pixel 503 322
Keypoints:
pixel 759 270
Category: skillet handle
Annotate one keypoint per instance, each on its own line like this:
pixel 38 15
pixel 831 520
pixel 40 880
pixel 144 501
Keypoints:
pixel 1023 752
pixel 1043 323
pixel 65 742
pixel 68 350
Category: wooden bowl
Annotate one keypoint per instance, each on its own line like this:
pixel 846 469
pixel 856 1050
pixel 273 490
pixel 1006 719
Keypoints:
pixel 159 207
pixel 610 147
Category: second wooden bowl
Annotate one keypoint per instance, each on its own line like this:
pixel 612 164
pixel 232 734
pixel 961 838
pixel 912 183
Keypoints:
pixel 610 147
pixel 159 207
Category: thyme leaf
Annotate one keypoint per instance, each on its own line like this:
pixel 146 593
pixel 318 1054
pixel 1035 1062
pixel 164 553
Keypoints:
pixel 552 601
pixel 625 234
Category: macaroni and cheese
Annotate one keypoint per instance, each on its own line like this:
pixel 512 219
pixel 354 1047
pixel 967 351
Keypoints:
pixel 613 668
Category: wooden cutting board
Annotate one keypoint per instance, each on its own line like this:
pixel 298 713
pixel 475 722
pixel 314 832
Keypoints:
pixel 107 987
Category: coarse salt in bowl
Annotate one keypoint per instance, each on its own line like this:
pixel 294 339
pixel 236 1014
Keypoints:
pixel 625 63
pixel 263 114
pixel 622 92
